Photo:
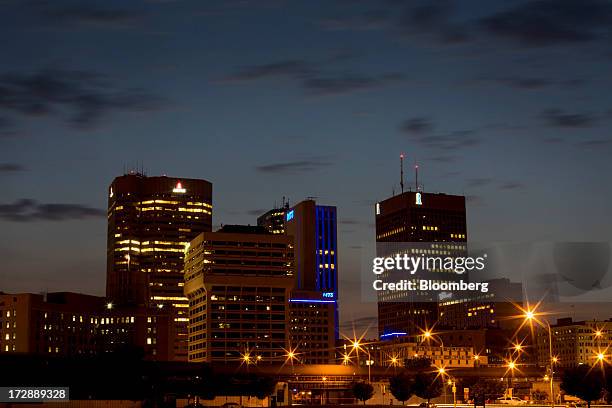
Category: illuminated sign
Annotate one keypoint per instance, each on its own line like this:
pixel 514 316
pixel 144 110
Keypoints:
pixel 328 294
pixel 179 188
pixel 111 194
pixel 377 208
pixel 418 199
pixel 290 215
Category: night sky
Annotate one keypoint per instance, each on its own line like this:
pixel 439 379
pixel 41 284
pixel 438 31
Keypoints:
pixel 508 103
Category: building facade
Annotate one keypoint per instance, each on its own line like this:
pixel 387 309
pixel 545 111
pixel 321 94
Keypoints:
pixel 313 229
pixel 71 324
pixel 312 327
pixel 238 281
pixel 436 223
pixel 575 343
pixel 274 220
pixel 150 221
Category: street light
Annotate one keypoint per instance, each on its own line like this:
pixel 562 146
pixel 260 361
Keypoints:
pixel 356 348
pixel 530 316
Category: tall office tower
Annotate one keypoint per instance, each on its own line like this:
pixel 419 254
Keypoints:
pixel 434 222
pixel 150 221
pixel 238 282
pixel 274 220
pixel 314 231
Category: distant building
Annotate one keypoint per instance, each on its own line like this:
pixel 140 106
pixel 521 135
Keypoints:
pixel 150 221
pixel 274 220
pixel 417 217
pixel 70 324
pixel 496 308
pixel 575 343
pixel 400 353
pixel 238 282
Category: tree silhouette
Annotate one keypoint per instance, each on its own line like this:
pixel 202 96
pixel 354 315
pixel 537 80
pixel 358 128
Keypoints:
pixel 427 385
pixel 583 382
pixel 539 395
pixel 363 391
pixel 401 386
pixel 487 388
pixel 417 363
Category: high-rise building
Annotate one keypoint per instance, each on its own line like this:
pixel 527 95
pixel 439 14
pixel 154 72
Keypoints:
pixel 314 231
pixel 274 220
pixel 238 281
pixel 150 221
pixel 314 306
pixel 436 222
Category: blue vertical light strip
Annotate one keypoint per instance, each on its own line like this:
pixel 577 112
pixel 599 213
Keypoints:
pixel 317 249
pixel 328 247
pixel 334 245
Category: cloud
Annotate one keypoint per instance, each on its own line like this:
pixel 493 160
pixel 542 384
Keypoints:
pixel 449 141
pixel 297 166
pixel 11 168
pixel 417 125
pixel 434 19
pixel 551 22
pixel 559 118
pixel 511 185
pixel 256 212
pixel 288 68
pixel 534 83
pixel 26 210
pixel 82 14
pixel 479 182
pixel 594 143
pixel 84 97
pixel 345 83
pixel 312 78
pixel 369 20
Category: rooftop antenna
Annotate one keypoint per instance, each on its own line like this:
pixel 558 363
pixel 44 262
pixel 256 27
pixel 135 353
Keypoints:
pixel 416 176
pixel 402 172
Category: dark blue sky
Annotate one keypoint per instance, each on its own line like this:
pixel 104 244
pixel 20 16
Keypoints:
pixel 506 102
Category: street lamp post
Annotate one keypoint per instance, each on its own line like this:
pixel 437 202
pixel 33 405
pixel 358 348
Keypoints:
pixel 357 346
pixel 530 316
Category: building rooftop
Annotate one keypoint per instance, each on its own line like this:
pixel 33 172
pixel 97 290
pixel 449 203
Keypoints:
pixel 244 229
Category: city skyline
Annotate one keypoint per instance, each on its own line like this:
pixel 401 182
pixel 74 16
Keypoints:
pixel 488 107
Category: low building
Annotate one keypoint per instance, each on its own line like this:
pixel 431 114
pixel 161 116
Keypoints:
pixel 69 324
pixel 575 343
pixel 398 352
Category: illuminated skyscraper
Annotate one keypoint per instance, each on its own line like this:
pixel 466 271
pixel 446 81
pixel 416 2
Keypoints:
pixel 238 281
pixel 314 307
pixel 274 220
pixel 417 217
pixel 150 222
pixel 314 231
